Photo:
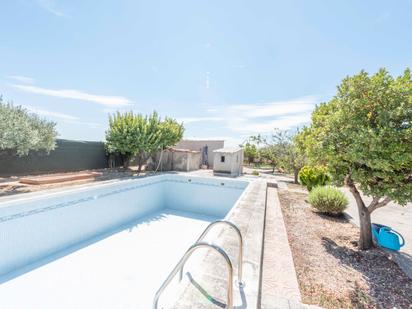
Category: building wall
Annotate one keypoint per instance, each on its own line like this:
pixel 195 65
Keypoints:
pixel 198 145
pixel 67 157
pixel 232 165
pixel 195 161
pixel 180 161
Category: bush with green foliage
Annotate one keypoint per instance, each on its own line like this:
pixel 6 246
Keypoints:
pixel 328 199
pixel 255 173
pixel 132 134
pixel 22 131
pixel 313 176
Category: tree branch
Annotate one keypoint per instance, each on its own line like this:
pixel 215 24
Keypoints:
pixel 375 205
pixel 375 201
pixel 352 187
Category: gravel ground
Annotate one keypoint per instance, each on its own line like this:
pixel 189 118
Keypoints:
pixel 332 271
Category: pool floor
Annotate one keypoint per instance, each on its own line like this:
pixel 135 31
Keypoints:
pixel 123 270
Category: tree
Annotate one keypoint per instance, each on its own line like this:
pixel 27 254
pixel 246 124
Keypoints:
pixel 22 131
pixel 291 157
pixel 270 153
pixel 281 150
pixel 136 135
pixel 251 152
pixel 364 136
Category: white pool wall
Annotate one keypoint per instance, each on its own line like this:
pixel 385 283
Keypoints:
pixel 34 228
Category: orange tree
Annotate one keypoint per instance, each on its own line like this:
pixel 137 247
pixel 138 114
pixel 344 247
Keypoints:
pixel 364 136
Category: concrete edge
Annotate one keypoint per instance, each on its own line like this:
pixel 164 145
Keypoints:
pixel 279 279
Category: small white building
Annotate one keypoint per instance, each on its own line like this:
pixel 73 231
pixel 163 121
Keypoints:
pixel 228 161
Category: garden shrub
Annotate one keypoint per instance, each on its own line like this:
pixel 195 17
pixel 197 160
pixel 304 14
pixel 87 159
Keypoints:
pixel 328 199
pixel 313 176
pixel 255 172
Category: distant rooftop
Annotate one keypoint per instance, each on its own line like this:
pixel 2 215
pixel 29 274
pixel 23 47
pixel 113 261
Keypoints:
pixel 228 150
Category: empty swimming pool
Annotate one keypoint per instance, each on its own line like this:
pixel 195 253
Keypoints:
pixel 106 246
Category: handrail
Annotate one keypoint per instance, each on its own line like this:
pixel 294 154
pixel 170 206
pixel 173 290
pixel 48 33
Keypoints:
pixel 240 257
pixel 186 257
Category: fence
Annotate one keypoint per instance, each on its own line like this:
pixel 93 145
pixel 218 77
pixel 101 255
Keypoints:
pixel 68 156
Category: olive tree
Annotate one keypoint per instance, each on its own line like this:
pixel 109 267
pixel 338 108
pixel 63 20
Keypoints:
pixel 280 149
pixel 270 153
pixel 135 135
pixel 22 131
pixel 364 136
pixel 251 152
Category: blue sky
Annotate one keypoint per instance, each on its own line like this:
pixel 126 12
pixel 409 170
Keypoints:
pixel 227 69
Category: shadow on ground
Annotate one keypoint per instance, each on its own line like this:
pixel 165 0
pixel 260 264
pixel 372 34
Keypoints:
pixel 383 275
pixel 213 300
pixel 339 218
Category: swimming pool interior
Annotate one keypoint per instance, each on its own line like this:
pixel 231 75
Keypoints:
pixel 107 246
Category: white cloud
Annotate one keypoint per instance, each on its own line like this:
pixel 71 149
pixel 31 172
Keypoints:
pixel 299 105
pixel 63 117
pixel 48 113
pixel 258 126
pixel 50 6
pixel 108 101
pixel 22 79
pixel 249 119
pixel 187 120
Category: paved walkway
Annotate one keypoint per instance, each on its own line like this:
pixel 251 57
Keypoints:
pixel 397 217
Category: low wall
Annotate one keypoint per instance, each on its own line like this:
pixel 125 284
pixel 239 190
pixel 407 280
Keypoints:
pixel 183 161
pixel 67 157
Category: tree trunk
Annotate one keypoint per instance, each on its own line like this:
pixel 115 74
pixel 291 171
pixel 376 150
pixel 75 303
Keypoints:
pixel 139 163
pixel 365 236
pixel 295 175
pixel 126 161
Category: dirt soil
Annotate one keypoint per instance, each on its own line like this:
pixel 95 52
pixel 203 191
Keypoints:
pixel 331 270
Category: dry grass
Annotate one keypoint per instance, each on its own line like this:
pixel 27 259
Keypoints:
pixel 331 271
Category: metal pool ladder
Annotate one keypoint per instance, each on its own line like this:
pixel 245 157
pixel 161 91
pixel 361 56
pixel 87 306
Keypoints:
pixel 200 244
